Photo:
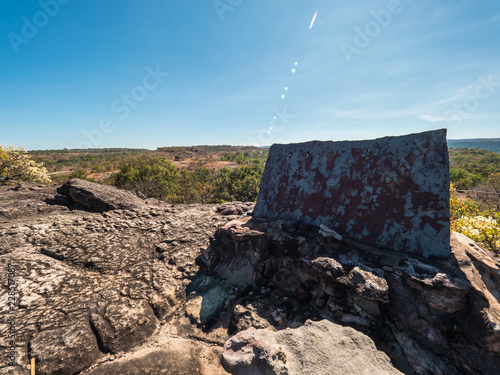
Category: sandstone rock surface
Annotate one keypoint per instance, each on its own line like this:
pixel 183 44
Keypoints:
pixel 166 356
pixel 139 291
pixel 425 314
pixel 315 348
pixel 92 285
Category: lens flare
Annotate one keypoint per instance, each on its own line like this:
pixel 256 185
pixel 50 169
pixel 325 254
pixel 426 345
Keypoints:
pixel 314 19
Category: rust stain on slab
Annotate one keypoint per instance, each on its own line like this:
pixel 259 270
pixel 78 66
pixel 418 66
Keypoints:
pixel 390 192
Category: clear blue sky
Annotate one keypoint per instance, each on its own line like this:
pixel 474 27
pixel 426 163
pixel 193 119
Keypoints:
pixel 93 73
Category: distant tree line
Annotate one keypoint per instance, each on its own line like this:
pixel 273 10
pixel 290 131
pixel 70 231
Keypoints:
pixel 246 158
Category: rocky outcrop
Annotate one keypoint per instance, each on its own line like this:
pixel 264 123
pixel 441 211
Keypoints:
pixel 99 198
pixel 162 289
pixel 236 208
pixel 314 348
pixel 123 324
pixel 424 313
pixel 91 287
pixel 391 192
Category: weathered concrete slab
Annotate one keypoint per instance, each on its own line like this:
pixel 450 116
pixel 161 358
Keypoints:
pixel 390 192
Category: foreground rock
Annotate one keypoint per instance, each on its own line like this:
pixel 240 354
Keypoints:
pixel 315 348
pixel 424 313
pixel 126 291
pixel 167 356
pixel 94 285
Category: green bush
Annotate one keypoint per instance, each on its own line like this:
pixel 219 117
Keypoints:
pixel 156 177
pixel 464 180
pixel 475 220
pixel 247 158
pixel 239 184
pixel 195 186
pixel 153 176
pixel 484 230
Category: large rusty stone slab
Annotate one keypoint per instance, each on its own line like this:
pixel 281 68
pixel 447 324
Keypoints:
pixel 391 192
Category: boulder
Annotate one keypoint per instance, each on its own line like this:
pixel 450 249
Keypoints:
pixel 315 348
pixel 425 313
pixel 99 198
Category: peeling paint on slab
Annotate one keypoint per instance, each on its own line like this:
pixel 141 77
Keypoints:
pixel 391 192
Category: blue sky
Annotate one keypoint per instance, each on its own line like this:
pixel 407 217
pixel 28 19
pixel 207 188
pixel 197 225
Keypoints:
pixel 130 73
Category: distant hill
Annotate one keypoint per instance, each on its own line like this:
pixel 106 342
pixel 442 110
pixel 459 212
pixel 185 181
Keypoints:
pixel 490 144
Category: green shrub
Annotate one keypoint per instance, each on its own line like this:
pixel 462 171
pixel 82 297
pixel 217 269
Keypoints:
pixel 156 177
pixel 481 229
pixel 153 176
pixel 239 184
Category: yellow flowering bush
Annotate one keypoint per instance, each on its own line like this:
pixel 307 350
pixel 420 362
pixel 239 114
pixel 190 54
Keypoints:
pixel 483 230
pixel 467 218
pixel 16 163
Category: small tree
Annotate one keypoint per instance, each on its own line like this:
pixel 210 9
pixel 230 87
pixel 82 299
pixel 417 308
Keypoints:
pixel 488 195
pixel 16 163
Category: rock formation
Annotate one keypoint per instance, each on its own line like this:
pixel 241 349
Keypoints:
pixel 390 192
pixel 314 348
pixel 99 198
pixel 151 288
pixel 104 289
pixel 425 314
